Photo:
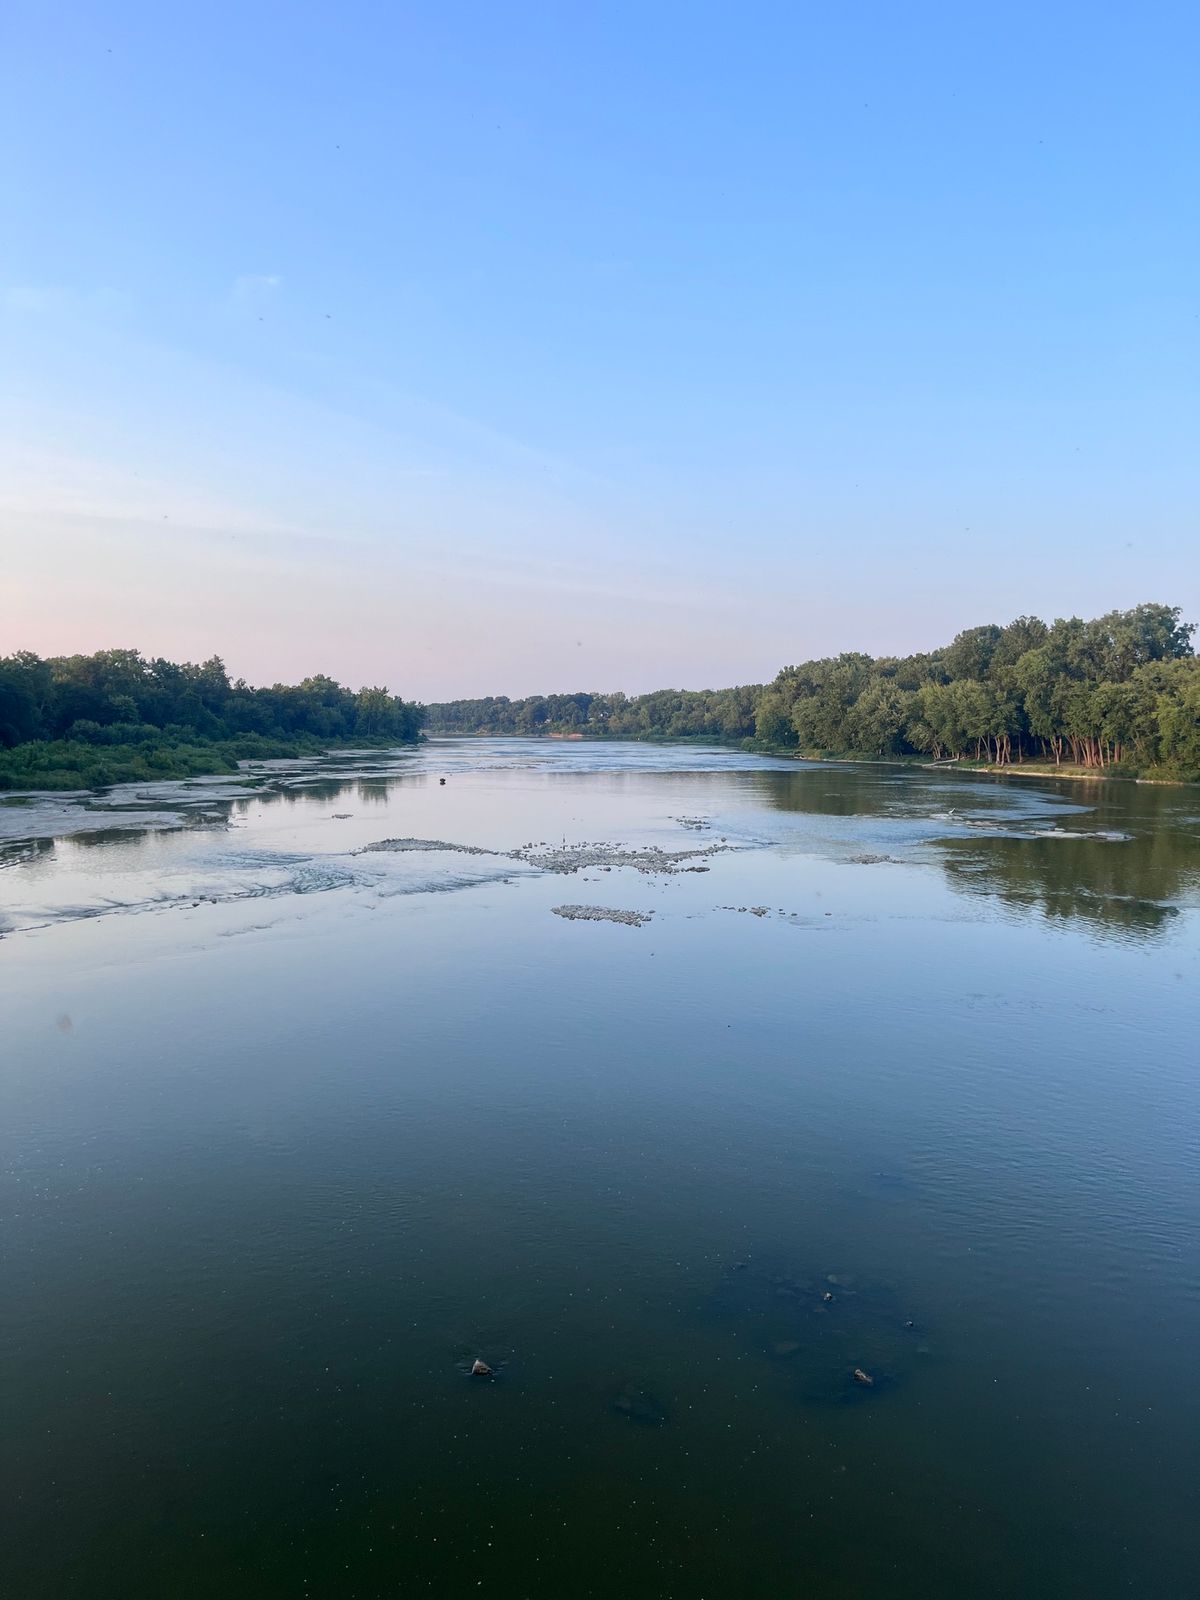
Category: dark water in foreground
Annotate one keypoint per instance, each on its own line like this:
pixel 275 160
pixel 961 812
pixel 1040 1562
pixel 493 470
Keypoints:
pixel 290 1134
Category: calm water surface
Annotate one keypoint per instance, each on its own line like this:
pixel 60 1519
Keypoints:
pixel 293 1130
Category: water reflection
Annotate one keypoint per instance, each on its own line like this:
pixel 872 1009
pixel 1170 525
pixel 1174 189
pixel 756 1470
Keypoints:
pixel 292 1139
pixel 1127 887
pixel 1116 858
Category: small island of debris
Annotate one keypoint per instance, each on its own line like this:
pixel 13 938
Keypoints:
pixel 631 919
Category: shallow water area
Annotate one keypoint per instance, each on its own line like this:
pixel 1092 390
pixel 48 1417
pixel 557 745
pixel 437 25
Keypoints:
pixel 311 1095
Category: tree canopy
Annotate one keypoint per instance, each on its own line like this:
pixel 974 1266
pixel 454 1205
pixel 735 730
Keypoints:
pixel 122 709
pixel 666 713
pixel 1122 690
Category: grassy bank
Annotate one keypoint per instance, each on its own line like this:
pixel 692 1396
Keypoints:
pixel 1125 772
pixel 75 764
pixel 1114 774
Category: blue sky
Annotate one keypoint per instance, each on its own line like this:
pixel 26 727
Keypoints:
pixel 498 348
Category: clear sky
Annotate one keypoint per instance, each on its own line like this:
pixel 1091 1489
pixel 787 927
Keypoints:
pixel 499 348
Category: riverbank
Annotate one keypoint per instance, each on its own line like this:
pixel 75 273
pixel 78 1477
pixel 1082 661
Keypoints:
pixel 65 764
pixel 1016 769
pixel 1075 774
pixel 1019 769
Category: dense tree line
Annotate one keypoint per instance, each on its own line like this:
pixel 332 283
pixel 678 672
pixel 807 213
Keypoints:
pixel 1122 690
pixel 118 713
pixel 667 714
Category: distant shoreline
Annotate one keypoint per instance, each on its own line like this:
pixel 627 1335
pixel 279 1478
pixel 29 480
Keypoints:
pixel 1017 769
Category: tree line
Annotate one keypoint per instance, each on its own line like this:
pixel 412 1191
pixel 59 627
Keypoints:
pixel 1119 691
pixel 666 713
pixel 119 714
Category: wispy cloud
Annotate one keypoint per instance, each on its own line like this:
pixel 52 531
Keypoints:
pixel 254 290
pixel 57 299
pixel 50 488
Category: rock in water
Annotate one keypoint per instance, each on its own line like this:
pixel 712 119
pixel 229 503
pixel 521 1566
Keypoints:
pixel 480 1369
pixel 641 1407
pixel 632 919
pixel 864 1378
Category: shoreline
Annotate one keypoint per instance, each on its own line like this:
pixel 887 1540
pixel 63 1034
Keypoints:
pixel 1024 769
pixel 1071 774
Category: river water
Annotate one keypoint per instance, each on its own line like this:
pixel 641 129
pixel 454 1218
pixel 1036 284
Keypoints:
pixel 899 1074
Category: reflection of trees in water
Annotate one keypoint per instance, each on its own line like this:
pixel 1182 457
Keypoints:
pixel 20 852
pixel 367 791
pixel 372 791
pixel 1113 886
pixel 831 791
pixel 1130 885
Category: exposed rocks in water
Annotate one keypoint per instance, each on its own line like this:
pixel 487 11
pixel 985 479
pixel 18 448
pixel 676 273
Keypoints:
pixel 399 846
pixel 759 911
pixel 578 857
pixel 631 919
pixel 480 1369
pixel 870 860
pixel 698 824
pixel 638 1405
pixel 342 816
pixel 827 1297
pixel 565 858
pixel 864 1378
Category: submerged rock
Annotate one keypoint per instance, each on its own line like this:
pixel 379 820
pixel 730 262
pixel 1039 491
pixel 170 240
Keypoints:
pixel 637 1405
pixel 831 1336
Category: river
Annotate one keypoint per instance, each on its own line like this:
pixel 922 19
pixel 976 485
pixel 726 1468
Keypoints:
pixel 891 1070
